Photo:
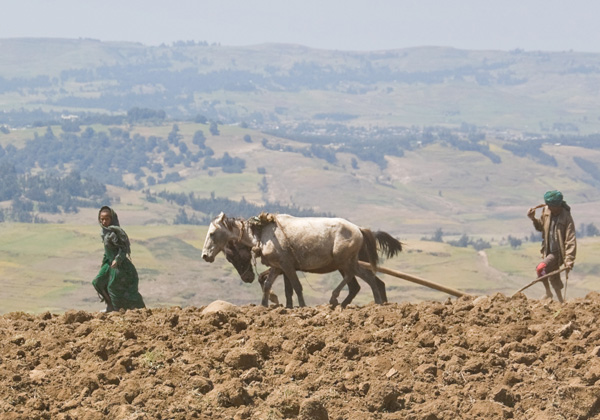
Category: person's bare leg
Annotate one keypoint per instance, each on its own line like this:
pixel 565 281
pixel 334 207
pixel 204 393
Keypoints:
pixel 559 295
pixel 548 291
pixel 109 305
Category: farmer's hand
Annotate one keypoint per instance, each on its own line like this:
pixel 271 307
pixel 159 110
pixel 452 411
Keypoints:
pixel 114 264
pixel 540 269
pixel 531 213
pixel 569 265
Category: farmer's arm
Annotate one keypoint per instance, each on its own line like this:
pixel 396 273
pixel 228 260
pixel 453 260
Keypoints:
pixel 537 223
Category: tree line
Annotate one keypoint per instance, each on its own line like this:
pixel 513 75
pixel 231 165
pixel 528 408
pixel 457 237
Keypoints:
pixel 211 207
pixel 109 155
pixel 46 193
pixel 373 144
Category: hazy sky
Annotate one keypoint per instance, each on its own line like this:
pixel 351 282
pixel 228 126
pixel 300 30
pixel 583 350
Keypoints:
pixel 550 25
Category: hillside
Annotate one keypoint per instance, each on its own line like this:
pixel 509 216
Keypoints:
pixel 425 187
pixel 271 84
pixel 411 142
pixel 492 357
pixel 430 187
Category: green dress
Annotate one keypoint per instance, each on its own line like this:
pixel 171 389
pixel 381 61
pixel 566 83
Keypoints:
pixel 119 284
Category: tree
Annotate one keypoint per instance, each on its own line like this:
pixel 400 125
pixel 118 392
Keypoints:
pixel 174 135
pixel 514 242
pixel 199 139
pixel 141 114
pixel 49 135
pixel 213 128
pixel 463 242
pixel 264 186
pixel 201 119
pixel 9 187
pixel 592 230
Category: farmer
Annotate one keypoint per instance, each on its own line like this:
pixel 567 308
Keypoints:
pixel 558 239
pixel 117 281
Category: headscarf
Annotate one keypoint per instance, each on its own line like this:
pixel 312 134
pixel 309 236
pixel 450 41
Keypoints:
pixel 554 198
pixel 114 234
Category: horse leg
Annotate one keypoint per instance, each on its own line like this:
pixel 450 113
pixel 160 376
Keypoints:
pixel 353 289
pixel 290 273
pixel 381 286
pixel 268 284
pixel 370 278
pixel 289 292
pixel 261 279
pixel 333 300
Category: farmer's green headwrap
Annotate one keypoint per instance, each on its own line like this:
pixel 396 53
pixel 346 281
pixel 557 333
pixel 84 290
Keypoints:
pixel 553 198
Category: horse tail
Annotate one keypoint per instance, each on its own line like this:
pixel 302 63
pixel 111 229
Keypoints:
pixel 368 251
pixel 388 245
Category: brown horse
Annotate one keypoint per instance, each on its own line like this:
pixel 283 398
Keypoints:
pixel 287 244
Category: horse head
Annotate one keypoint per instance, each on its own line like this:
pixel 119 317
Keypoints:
pixel 241 257
pixel 217 237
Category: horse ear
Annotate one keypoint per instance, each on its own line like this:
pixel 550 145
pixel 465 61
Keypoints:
pixel 220 217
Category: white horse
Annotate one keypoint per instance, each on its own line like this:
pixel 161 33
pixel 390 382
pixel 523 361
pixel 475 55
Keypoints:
pixel 288 244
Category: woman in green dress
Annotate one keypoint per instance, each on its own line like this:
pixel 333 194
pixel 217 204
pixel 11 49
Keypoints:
pixel 117 281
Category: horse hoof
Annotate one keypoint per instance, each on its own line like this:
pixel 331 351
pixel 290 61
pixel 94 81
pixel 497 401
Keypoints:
pixel 334 302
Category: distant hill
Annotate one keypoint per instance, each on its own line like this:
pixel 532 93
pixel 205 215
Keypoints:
pixel 267 85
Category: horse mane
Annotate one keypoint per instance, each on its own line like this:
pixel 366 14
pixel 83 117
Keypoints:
pixel 230 222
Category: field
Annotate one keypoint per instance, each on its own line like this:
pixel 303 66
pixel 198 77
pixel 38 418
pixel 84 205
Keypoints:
pixel 491 357
pixel 49 267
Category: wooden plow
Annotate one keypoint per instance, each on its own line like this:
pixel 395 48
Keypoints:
pixel 540 279
pixel 417 280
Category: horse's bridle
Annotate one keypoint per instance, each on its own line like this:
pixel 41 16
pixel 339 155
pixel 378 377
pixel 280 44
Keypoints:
pixel 251 267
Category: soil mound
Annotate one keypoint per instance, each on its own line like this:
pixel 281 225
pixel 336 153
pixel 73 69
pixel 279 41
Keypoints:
pixel 491 357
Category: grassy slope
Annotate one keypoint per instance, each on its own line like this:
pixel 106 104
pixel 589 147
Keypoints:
pixel 50 267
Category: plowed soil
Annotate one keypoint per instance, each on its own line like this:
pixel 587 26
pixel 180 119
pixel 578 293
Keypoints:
pixel 490 357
